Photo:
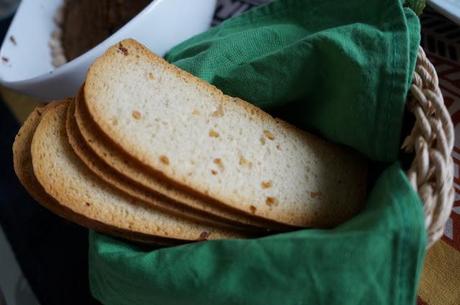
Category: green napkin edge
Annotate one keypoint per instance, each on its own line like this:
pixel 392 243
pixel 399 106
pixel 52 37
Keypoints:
pixel 400 83
pixel 410 246
pixel 391 98
pixel 416 5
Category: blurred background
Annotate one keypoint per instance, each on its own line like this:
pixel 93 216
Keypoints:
pixel 36 270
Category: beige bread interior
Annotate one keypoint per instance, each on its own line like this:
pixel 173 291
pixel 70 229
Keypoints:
pixel 190 133
pixel 65 178
pixel 124 184
pixel 140 177
pixel 24 170
pixel 22 158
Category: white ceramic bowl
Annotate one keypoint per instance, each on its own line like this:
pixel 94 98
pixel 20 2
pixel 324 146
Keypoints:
pixel 449 8
pixel 26 65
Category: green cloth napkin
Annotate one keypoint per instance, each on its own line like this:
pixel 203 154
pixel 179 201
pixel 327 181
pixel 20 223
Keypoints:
pixel 341 69
pixel 373 259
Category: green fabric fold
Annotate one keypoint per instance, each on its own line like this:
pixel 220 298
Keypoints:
pixel 373 259
pixel 341 69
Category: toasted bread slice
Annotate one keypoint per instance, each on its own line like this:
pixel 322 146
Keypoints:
pixel 24 170
pixel 124 184
pixel 74 187
pixel 22 158
pixel 193 135
pixel 140 176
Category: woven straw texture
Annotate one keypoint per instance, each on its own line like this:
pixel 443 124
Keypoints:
pixel 432 141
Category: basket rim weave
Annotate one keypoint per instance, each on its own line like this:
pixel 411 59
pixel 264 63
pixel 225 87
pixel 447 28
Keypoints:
pixel 432 141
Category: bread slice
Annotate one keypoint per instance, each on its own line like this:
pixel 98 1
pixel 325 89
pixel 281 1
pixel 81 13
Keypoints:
pixel 22 159
pixel 120 182
pixel 138 177
pixel 65 178
pixel 190 133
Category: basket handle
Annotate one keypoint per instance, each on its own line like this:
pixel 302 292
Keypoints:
pixel 432 139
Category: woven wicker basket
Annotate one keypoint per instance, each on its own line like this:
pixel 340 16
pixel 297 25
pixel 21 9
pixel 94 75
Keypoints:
pixel 432 141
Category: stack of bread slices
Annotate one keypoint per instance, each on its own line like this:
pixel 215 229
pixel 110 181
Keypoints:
pixel 151 153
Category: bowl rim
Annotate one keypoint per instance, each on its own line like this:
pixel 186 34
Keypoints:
pixel 70 65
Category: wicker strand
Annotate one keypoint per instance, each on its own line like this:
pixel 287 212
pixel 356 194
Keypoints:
pixel 432 140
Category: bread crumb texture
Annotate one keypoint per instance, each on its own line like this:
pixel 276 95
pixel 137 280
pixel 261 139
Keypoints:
pixel 65 178
pixel 249 142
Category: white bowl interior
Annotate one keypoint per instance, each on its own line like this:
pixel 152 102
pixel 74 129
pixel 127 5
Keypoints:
pixel 27 65
pixel 31 29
